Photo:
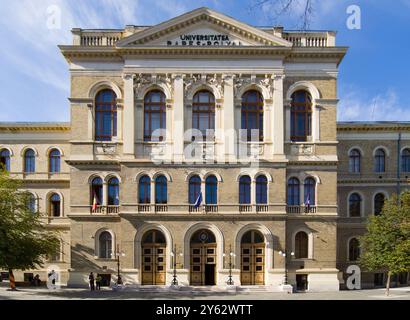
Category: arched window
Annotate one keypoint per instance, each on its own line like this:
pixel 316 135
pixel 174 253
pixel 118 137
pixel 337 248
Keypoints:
pixel 54 161
pixel 55 205
pixel 154 237
pixel 29 161
pixel 380 161
pixel 113 192
pixel 293 192
pixel 97 191
pixel 355 202
pixel 301 116
pixel 261 190
pixel 245 190
pixel 154 114
pixel 203 113
pixel 405 160
pixel 354 161
pixel 253 237
pixel 5 159
pixel 105 242
pixel 161 190
pixel 211 190
pixel 194 189
pixel 378 203
pixel 354 250
pixel 310 192
pixel 203 236
pixel 144 190
pixel 301 245
pixel 105 115
pixel 252 115
pixel 32 203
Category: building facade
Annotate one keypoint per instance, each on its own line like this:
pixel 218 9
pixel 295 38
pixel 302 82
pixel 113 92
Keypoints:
pixel 209 145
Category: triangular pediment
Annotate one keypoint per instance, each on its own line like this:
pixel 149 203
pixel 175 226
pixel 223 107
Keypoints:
pixel 202 27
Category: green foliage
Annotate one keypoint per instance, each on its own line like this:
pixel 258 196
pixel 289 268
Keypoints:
pixel 24 239
pixel 386 246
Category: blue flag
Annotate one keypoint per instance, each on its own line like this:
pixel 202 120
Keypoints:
pixel 198 201
pixel 307 203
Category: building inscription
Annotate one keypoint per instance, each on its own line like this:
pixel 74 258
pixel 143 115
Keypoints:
pixel 204 40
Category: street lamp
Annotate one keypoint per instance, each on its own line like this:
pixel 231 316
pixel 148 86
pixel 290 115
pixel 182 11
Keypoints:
pixel 230 281
pixel 285 254
pixel 118 255
pixel 174 255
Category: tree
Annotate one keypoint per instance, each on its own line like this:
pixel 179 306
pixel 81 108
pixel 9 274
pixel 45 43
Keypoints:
pixel 280 8
pixel 386 245
pixel 24 239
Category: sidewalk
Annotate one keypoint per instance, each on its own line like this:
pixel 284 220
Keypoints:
pixel 108 294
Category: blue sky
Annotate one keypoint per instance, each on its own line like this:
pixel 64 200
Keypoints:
pixel 374 77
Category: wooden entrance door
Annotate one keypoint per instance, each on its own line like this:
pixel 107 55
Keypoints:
pixel 153 258
pixel 203 259
pixel 253 259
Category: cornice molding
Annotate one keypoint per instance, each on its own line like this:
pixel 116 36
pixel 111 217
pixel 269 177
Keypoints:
pixel 35 128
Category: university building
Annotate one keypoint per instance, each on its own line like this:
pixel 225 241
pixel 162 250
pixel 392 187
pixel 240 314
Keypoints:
pixel 211 145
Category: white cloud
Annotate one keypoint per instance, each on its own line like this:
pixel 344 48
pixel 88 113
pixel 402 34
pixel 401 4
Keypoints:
pixel 356 106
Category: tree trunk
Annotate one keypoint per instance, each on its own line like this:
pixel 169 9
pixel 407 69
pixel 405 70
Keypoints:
pixel 12 280
pixel 388 283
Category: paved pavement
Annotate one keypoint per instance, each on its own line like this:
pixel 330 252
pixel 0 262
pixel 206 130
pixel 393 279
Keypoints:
pixel 107 294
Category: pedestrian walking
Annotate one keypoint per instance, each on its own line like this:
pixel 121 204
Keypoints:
pixel 91 278
pixel 98 282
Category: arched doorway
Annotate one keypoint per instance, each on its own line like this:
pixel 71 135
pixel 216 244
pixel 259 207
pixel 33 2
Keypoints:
pixel 203 258
pixel 153 258
pixel 253 258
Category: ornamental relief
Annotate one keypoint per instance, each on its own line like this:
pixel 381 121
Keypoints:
pixel 193 81
pixel 143 82
pixel 241 83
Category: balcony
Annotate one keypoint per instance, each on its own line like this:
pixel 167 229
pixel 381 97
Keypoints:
pixel 311 39
pixel 105 210
pixel 244 208
pixel 103 38
pixel 301 209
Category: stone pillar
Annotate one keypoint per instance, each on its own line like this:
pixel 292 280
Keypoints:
pixel 105 194
pixel 178 118
pixel 278 127
pixel 120 120
pixel 129 116
pixel 152 192
pixel 287 105
pixel 90 120
pixel 229 119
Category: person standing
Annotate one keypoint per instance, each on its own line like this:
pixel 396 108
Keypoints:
pixel 98 282
pixel 91 279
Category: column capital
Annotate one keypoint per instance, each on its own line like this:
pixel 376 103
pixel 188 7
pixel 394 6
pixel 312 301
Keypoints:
pixel 128 76
pixel 278 76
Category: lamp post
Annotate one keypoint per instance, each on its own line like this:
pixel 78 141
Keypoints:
pixel 119 254
pixel 174 255
pixel 230 281
pixel 285 254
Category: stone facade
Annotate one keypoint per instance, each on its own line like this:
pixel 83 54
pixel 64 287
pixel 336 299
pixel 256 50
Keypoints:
pixel 135 61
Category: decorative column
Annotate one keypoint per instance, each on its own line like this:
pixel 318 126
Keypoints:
pixel 278 128
pixel 178 118
pixel 90 121
pixel 120 120
pixel 287 104
pixel 129 116
pixel 229 119
pixel 253 195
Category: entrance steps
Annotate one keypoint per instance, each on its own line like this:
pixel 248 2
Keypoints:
pixel 199 289
pixel 255 289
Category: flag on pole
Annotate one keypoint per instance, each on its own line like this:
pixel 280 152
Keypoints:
pixel 198 201
pixel 307 203
pixel 95 203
